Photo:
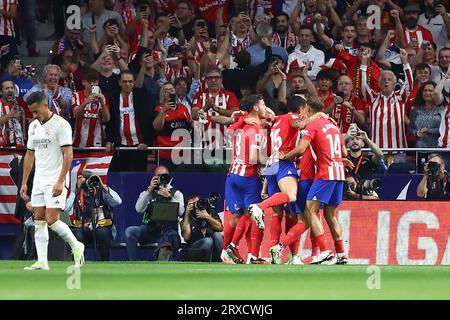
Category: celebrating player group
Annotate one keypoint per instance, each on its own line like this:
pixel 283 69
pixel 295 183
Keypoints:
pixel 295 163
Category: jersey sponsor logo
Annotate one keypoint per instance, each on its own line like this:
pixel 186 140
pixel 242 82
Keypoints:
pixel 41 143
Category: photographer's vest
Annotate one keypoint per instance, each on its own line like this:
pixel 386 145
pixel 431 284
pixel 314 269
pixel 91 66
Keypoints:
pixel 83 216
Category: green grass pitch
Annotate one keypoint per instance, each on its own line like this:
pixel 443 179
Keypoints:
pixel 181 281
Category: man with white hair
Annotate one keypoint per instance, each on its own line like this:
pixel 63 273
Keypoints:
pixel 387 107
pixel 59 98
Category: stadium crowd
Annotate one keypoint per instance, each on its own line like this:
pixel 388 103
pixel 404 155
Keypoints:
pixel 169 73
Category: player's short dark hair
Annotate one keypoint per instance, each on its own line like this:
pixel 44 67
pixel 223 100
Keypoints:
pixel 315 104
pixel 38 97
pixel 250 102
pixel 91 75
pixel 295 103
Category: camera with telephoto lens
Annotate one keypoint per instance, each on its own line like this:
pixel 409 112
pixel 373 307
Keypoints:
pixel 368 186
pixel 209 203
pixel 433 170
pixel 163 180
pixel 93 182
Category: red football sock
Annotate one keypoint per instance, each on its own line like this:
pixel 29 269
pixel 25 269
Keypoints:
pixel 248 234
pixel 315 249
pixel 322 242
pixel 228 232
pixel 293 234
pixel 277 199
pixel 240 229
pixel 339 246
pixel 275 230
pixel 290 223
pixel 257 236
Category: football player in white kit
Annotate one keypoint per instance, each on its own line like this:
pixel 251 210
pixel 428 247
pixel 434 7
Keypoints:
pixel 50 147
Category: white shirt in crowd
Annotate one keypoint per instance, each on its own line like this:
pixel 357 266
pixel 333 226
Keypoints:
pixel 314 57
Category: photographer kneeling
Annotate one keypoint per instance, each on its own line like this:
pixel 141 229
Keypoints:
pixel 165 233
pixel 202 227
pixel 93 209
pixel 434 184
pixel 356 189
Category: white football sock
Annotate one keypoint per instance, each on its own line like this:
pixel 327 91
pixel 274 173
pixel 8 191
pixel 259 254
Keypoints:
pixel 64 232
pixel 41 240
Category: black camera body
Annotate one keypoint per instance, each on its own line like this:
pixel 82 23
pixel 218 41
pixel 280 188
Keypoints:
pixel 209 203
pixel 368 186
pixel 93 182
pixel 163 180
pixel 434 169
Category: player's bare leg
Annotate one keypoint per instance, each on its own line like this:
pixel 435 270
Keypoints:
pixel 52 216
pixel 40 240
pixel 288 187
pixel 336 232
pixel 318 231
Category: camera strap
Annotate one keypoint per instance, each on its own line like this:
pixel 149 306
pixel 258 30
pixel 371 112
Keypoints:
pixel 358 164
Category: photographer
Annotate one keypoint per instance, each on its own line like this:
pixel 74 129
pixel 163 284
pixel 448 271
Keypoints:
pixel 361 164
pixel 356 189
pixel 93 208
pixel 434 184
pixel 159 190
pixel 201 227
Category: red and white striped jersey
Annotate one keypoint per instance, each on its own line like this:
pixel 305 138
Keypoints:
pixel 129 132
pixel 13 132
pixel 212 134
pixel 176 71
pixel 89 127
pixel 248 143
pixel 7 24
pixel 327 141
pixel 269 7
pixel 444 128
pixel 417 35
pixel 239 45
pixel 283 136
pixel 387 113
pixel 344 117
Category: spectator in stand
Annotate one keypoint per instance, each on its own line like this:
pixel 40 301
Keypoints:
pixel 437 21
pixel 412 31
pixel 172 124
pixel 70 40
pixel 163 39
pixel 59 98
pixel 109 73
pixel 97 18
pixel 72 71
pixel 306 54
pixel 258 51
pixel 438 72
pixel 345 107
pixel 282 36
pixel 388 104
pixel 213 101
pixel 348 35
pixel 128 126
pixel 245 75
pixel 353 65
pixel 269 85
pixel 17 72
pixel 126 9
pixel 28 12
pixel 303 14
pixel 181 90
pixel 135 27
pixel 362 164
pixel 425 118
pixel 243 35
pixel 301 85
pixel 90 110
pixel 211 10
pixel 8 44
pixel 325 88
pixel 185 14
pixel 111 36
pixel 12 117
pixel 442 101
